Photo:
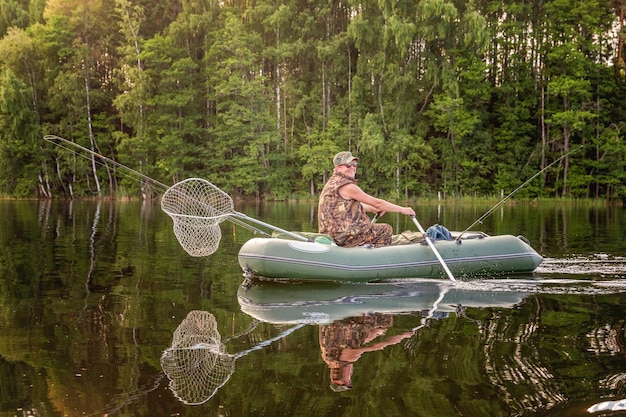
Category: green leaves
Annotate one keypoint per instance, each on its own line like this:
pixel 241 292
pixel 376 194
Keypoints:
pixel 465 97
pixel 18 133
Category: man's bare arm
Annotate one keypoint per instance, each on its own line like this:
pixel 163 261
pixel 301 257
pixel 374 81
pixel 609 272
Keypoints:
pixel 353 191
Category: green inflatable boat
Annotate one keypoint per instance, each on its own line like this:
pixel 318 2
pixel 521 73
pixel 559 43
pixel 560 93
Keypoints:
pixel 475 254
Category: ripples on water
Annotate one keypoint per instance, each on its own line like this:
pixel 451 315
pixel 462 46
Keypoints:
pixel 597 265
pixel 593 275
pixel 546 286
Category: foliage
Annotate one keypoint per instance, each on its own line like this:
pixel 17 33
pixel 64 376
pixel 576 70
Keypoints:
pixel 465 98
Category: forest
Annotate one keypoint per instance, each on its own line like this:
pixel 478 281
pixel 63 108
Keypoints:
pixel 457 98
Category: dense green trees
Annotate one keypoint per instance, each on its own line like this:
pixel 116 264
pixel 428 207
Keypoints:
pixel 464 98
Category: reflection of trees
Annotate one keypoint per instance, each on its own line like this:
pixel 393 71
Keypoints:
pixel 524 382
pixel 80 301
pixel 16 396
pixel 609 340
pixel 74 349
pixel 532 367
pixel 72 304
pixel 606 339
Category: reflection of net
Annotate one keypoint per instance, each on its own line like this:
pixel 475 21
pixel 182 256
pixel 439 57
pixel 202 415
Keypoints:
pixel 197 364
pixel 197 207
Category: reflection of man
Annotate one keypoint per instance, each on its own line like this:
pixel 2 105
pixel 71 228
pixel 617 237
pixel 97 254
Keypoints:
pixel 343 342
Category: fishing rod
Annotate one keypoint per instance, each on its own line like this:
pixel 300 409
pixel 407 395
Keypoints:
pixel 484 216
pixel 104 161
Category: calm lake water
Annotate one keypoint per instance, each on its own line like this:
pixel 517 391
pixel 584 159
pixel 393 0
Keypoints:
pixel 103 314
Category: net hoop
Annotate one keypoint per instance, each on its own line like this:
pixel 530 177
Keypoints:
pixel 197 198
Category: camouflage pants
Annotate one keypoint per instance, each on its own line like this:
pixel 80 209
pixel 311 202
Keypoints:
pixel 378 235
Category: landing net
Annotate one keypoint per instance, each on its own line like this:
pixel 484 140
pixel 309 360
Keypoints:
pixel 197 208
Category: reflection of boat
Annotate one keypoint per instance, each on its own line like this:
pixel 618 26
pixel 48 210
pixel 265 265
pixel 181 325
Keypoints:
pixel 475 254
pixel 323 303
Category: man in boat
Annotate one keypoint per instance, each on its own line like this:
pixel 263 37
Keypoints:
pixel 343 206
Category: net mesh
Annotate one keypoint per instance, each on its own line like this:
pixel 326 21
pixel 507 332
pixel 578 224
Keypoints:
pixel 197 208
pixel 197 364
pixel 196 237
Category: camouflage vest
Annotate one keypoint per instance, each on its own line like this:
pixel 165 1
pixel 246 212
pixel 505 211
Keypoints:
pixel 338 217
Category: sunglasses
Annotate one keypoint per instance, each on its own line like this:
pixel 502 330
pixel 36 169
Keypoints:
pixel 352 164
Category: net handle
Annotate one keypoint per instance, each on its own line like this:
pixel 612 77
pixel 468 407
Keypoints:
pixel 214 348
pixel 268 342
pixel 296 236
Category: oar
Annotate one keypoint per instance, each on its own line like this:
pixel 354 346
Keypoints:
pixel 434 249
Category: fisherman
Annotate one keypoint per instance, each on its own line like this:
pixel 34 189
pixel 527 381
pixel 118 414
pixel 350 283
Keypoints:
pixel 343 206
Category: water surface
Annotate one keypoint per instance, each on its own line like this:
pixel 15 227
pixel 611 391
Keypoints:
pixel 103 313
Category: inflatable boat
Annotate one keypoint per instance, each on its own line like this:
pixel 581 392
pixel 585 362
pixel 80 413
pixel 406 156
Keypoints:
pixel 475 254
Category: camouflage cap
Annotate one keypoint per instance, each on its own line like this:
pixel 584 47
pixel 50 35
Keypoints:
pixel 344 157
